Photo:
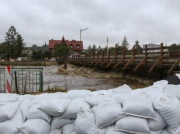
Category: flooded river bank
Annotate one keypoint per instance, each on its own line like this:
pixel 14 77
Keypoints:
pixel 86 78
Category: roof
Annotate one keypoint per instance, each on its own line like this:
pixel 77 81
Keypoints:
pixel 76 45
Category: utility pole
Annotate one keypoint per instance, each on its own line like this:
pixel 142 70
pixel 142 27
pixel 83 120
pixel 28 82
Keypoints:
pixel 81 31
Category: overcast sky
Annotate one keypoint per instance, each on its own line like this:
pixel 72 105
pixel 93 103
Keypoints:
pixel 38 21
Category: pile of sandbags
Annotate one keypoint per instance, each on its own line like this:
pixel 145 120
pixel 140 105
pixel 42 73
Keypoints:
pixel 151 110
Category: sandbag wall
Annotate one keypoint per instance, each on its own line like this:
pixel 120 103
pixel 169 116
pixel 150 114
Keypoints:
pixel 150 110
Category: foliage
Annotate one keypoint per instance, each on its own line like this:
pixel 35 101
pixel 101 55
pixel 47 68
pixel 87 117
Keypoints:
pixel 137 47
pixel 174 47
pixel 61 50
pixel 13 45
pixel 125 43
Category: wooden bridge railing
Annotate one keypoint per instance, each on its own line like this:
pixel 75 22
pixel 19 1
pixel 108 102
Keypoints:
pixel 152 58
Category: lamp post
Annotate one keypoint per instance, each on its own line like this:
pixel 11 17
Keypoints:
pixel 81 31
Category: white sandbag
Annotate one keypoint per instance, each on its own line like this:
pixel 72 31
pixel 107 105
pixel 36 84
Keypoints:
pixel 156 132
pixel 73 132
pixel 54 107
pixel 23 107
pixel 85 123
pixel 73 94
pixel 173 131
pixel 169 108
pixel 67 129
pixel 8 98
pixel 101 92
pixel 158 124
pixel 110 130
pixel 120 89
pixel 94 100
pixel 106 113
pixel 35 113
pixel 133 125
pixel 74 107
pixel 151 92
pixel 160 84
pixel 58 122
pixel 7 111
pixel 10 126
pixel 56 131
pixel 34 126
pixel 121 97
pixel 172 90
pixel 140 107
pixel 165 132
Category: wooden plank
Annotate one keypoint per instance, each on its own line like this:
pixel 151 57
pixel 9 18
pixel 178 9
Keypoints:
pixel 155 64
pixel 139 64
pixel 129 62
pixel 173 66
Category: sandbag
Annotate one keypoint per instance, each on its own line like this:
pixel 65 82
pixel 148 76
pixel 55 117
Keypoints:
pixel 169 108
pixel 121 97
pixel 110 130
pixel 160 84
pixel 8 98
pixel 56 131
pixel 85 123
pixel 35 126
pixel 132 124
pixel 10 126
pixel 158 124
pixel 8 110
pixel 58 122
pixel 156 132
pixel 165 132
pixel 173 131
pixel 74 107
pixel 73 94
pixel 35 113
pixel 54 107
pixel 67 129
pixel 120 89
pixel 106 113
pixel 140 107
pixel 94 100
pixel 23 107
pixel 172 90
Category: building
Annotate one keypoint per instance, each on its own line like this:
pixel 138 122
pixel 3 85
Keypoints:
pixel 150 45
pixel 73 44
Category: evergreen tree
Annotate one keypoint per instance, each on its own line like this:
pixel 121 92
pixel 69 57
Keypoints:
pixel 137 47
pixel 125 43
pixel 13 43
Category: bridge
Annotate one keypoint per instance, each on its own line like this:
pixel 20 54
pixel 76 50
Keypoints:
pixel 150 60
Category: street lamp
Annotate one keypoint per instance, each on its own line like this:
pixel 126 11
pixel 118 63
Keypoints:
pixel 81 31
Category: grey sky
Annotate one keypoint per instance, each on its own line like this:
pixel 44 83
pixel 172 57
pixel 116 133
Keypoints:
pixel 144 20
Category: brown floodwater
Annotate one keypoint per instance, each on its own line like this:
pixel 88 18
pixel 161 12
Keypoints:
pixel 52 79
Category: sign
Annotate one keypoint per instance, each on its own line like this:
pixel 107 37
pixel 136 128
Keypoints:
pixel 8 79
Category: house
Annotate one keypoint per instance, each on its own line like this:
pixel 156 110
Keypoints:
pixel 150 45
pixel 73 44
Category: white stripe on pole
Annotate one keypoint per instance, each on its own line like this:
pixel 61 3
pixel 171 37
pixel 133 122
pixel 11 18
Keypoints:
pixel 8 79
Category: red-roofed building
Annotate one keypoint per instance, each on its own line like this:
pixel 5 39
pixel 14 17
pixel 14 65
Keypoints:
pixel 73 44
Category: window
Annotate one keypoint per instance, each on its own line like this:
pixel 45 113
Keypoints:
pixel 78 46
pixel 71 46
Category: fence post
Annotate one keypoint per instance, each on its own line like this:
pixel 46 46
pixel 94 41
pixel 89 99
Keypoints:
pixel 16 83
pixel 146 55
pixel 40 81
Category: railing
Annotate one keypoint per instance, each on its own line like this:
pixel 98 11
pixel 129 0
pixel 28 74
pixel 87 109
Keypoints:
pixel 152 58
pixel 23 80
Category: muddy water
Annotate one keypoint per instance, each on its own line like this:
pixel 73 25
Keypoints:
pixel 52 79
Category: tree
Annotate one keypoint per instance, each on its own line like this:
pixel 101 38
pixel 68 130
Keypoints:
pixel 61 50
pixel 19 46
pixel 137 47
pixel 174 47
pixel 13 43
pixel 125 43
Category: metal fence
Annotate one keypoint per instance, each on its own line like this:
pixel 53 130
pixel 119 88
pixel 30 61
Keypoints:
pixel 23 80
